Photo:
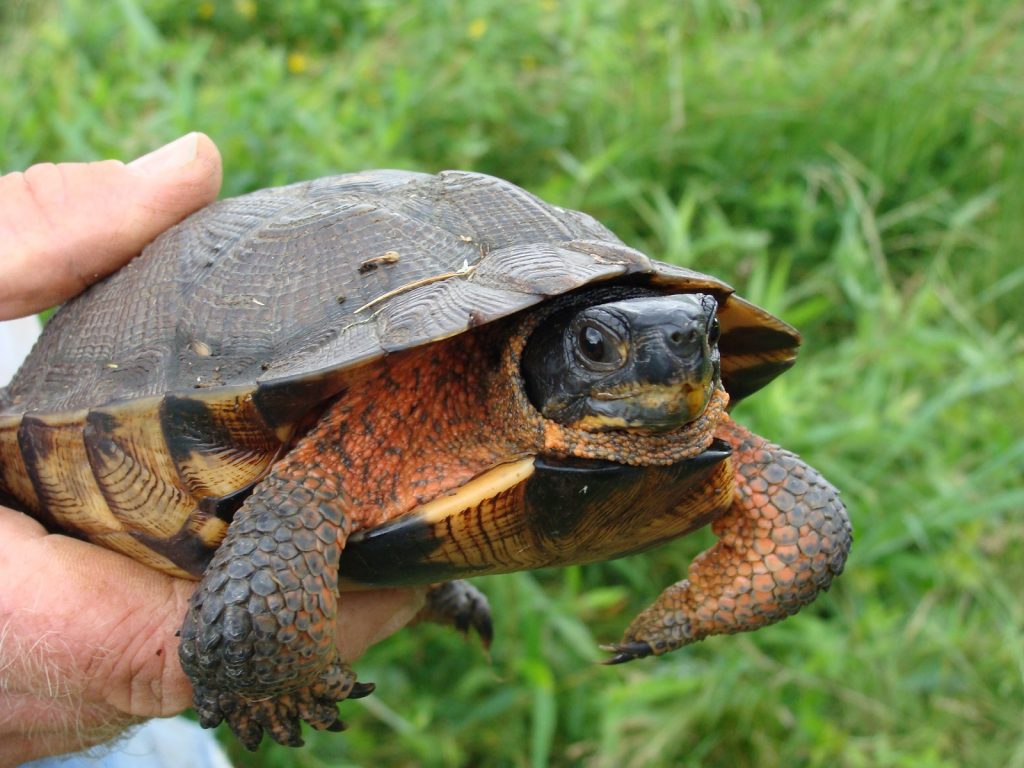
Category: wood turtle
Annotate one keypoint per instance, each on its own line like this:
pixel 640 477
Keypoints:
pixel 396 378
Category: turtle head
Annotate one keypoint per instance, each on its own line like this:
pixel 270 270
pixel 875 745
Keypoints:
pixel 649 363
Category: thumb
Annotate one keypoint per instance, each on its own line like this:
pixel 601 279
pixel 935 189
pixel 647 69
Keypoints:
pixel 64 226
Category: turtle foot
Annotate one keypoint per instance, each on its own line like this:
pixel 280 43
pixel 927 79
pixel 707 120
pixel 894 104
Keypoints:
pixel 281 715
pixel 459 604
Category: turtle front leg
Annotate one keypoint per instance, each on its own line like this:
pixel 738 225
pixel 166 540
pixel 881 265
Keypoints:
pixel 258 639
pixel 783 540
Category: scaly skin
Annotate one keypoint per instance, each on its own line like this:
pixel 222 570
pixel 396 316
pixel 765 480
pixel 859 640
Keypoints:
pixel 783 540
pixel 258 639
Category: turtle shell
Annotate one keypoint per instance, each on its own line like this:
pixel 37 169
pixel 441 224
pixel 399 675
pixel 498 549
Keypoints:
pixel 155 400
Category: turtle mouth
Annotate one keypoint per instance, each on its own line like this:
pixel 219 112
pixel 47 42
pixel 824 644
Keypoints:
pixel 651 408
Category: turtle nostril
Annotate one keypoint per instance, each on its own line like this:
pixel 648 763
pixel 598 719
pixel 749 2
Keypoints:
pixel 681 338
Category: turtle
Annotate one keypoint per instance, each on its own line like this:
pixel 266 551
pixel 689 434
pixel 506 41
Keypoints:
pixel 394 378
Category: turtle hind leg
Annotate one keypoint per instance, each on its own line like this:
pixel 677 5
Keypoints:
pixel 783 540
pixel 461 605
pixel 258 638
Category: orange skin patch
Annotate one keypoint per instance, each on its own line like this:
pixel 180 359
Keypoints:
pixel 425 422
pixel 417 425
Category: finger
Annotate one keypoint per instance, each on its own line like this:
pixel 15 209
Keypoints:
pixel 64 226
pixel 366 618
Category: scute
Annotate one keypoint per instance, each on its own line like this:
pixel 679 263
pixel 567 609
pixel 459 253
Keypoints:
pixel 59 468
pixel 234 324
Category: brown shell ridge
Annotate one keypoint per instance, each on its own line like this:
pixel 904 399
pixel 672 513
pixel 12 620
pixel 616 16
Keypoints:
pixel 499 213
pixel 15 481
pixel 56 461
pixel 218 445
pixel 138 482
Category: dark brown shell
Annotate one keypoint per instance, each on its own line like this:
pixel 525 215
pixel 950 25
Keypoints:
pixel 155 400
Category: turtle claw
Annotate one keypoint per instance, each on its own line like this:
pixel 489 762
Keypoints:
pixel 281 715
pixel 479 621
pixel 360 690
pixel 626 652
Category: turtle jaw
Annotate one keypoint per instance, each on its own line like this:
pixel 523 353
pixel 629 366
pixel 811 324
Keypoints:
pixel 651 409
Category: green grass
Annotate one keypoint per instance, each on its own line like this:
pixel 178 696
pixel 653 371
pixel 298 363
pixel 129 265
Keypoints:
pixel 856 167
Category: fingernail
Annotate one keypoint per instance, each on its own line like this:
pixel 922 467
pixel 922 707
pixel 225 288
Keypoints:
pixel 169 157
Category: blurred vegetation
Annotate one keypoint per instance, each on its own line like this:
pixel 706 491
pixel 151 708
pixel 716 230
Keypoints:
pixel 856 167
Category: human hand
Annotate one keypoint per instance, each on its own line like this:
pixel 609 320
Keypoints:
pixel 87 636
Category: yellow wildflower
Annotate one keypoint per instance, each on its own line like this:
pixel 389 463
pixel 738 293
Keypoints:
pixel 477 28
pixel 246 8
pixel 297 63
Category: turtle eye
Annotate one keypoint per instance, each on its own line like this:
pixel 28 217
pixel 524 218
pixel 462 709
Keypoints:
pixel 598 347
pixel 714 331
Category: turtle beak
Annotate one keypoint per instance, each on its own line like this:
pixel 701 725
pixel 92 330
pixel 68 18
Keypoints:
pixel 655 408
